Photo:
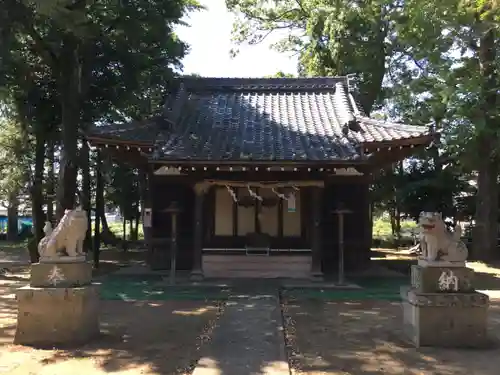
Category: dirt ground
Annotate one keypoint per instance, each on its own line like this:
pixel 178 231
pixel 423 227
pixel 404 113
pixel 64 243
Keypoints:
pixel 137 338
pixel 333 338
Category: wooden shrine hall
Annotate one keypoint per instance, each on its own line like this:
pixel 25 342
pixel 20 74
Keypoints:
pixel 261 172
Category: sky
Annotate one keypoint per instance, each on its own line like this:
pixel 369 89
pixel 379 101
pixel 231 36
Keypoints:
pixel 210 39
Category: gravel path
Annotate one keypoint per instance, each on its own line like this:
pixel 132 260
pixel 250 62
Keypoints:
pixel 248 339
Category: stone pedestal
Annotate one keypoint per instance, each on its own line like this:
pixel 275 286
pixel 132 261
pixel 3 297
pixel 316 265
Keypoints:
pixel 426 279
pixel 60 307
pixel 442 309
pixel 69 274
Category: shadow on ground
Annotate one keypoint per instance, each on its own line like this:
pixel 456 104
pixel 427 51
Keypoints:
pixel 142 337
pixel 156 337
pixel 136 337
pixel 326 337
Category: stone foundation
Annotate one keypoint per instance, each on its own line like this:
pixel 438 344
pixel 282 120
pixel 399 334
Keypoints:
pixel 455 320
pixel 442 309
pixel 60 307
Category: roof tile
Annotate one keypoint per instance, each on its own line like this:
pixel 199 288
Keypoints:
pixel 315 119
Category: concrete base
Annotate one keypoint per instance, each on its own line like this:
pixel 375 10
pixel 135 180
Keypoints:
pixel 63 275
pixel 454 320
pixel 57 316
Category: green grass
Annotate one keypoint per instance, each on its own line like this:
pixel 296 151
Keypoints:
pixel 382 232
pixel 372 288
pixel 154 287
pixel 117 230
pixel 382 227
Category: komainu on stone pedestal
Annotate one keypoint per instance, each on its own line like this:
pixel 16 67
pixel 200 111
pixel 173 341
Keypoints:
pixel 61 305
pixel 68 236
pixel 441 307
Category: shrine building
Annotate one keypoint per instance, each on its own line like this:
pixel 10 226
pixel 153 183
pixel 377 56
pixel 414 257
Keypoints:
pixel 259 169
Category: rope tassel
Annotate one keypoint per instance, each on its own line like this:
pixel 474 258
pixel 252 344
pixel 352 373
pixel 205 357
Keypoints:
pixel 253 194
pixel 232 193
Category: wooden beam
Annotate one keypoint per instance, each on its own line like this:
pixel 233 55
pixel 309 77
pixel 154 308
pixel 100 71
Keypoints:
pixel 132 157
pixel 260 184
pixel 385 157
pixel 423 140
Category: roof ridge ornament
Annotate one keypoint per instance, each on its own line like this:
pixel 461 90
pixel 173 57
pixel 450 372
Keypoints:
pixel 351 82
pixel 431 126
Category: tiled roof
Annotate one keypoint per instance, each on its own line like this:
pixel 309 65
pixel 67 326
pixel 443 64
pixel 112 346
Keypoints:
pixel 132 132
pixel 308 119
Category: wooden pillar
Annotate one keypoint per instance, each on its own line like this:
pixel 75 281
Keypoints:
pixel 200 190
pixel 99 209
pixel 316 233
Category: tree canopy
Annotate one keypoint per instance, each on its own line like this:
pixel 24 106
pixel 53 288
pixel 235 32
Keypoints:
pixel 416 61
pixel 68 64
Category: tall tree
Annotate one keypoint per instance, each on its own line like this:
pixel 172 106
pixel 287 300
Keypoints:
pixel 98 60
pixel 459 42
pixel 330 37
pixel 13 178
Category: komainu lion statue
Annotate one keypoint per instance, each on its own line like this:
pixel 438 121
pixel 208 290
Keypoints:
pixel 439 244
pixel 69 235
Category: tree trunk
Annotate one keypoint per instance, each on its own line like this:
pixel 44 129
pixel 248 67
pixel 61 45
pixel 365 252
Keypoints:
pixel 51 181
pixel 392 218
pixel 130 228
pixel 372 205
pixel 99 210
pixel 104 221
pixel 137 220
pixel 85 167
pixel 397 223
pixel 69 88
pixel 13 217
pixel 37 199
pixel 397 205
pixel 124 227
pixel 486 230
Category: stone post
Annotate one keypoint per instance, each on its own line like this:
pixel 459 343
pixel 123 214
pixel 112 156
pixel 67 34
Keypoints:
pixel 174 211
pixel 200 190
pixel 316 234
pixel 341 212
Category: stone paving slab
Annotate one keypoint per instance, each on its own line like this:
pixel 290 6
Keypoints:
pixel 248 339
